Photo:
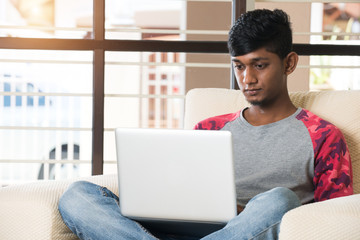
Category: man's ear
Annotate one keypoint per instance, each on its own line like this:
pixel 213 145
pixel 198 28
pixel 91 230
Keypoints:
pixel 290 62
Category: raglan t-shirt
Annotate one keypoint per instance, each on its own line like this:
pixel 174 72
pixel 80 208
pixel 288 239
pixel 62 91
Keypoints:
pixel 301 152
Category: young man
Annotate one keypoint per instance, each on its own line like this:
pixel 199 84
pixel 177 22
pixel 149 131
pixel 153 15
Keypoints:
pixel 284 156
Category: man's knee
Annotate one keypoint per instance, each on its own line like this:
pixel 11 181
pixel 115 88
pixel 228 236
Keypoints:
pixel 284 198
pixel 71 196
pixel 277 199
pixel 283 192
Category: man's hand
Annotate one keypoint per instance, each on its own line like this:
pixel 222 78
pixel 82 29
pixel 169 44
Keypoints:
pixel 239 209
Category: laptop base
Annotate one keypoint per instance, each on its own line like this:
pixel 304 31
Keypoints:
pixel 182 228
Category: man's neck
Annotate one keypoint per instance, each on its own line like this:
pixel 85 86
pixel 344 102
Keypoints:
pixel 262 115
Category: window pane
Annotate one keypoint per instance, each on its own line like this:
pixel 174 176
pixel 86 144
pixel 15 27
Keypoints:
pixel 167 20
pixel 340 21
pixel 147 90
pixel 46 109
pixel 46 19
pixel 334 73
pixel 143 86
pixel 29 155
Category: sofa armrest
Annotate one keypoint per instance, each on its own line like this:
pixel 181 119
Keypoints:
pixel 30 211
pixel 337 218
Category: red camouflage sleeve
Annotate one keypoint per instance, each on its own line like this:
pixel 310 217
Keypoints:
pixel 332 163
pixel 217 122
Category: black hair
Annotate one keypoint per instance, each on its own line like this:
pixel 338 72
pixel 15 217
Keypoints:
pixel 261 28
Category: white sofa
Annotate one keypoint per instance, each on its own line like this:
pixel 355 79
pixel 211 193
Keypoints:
pixel 29 211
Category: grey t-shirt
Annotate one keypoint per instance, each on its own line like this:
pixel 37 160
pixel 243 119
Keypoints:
pixel 278 154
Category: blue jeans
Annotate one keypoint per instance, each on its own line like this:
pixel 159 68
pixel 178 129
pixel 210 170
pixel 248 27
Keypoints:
pixel 92 212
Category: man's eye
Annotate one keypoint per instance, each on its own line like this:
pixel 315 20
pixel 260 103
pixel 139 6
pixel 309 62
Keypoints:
pixel 239 67
pixel 260 66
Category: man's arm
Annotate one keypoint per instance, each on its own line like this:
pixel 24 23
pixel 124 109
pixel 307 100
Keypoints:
pixel 239 209
pixel 333 171
pixel 217 122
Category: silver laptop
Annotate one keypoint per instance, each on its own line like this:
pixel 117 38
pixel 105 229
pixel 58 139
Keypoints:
pixel 176 181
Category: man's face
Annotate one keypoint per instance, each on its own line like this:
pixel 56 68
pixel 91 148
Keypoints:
pixel 261 76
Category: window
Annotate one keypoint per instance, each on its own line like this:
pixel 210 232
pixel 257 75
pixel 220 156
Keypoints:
pixel 46 114
pixel 339 24
pixel 78 73
pixel 73 71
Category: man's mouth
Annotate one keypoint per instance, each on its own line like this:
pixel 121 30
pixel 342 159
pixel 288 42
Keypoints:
pixel 252 91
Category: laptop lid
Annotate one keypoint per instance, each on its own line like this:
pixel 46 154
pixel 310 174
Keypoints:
pixel 176 175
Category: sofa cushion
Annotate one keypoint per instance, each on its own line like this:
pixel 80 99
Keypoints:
pixel 30 211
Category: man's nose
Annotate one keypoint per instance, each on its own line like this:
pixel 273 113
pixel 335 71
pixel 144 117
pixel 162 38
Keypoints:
pixel 248 76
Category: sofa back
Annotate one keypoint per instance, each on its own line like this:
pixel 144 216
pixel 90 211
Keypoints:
pixel 341 108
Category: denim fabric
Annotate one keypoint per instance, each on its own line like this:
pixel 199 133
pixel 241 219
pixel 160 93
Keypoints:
pixel 92 212
pixel 261 217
